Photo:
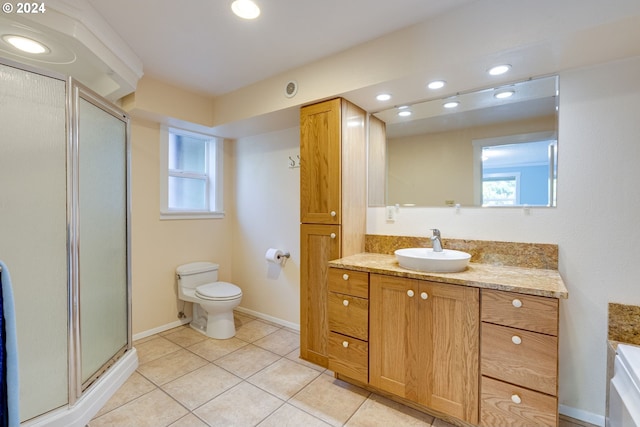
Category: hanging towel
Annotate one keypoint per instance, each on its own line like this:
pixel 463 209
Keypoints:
pixel 10 389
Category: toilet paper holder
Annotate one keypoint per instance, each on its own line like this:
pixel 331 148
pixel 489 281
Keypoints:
pixel 277 256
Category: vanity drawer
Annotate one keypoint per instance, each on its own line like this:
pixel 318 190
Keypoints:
pixel 349 282
pixel 349 315
pixel 520 357
pixel 506 405
pixel 533 313
pixel 349 356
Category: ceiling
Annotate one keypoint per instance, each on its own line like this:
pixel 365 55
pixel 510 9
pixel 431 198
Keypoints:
pixel 201 46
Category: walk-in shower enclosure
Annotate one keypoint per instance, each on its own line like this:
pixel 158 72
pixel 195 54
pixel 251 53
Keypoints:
pixel 64 233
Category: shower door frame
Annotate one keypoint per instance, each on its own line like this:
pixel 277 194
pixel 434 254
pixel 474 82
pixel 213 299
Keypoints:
pixel 75 92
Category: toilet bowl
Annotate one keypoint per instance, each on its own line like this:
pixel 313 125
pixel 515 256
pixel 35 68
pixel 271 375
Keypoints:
pixel 213 301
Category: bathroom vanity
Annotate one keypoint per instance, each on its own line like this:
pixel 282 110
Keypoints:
pixel 478 347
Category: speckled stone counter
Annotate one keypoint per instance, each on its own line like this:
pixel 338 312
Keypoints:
pixel 624 323
pixel 532 281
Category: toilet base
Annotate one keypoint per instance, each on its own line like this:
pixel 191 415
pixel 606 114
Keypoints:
pixel 220 326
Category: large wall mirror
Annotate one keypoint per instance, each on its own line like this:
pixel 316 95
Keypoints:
pixel 491 147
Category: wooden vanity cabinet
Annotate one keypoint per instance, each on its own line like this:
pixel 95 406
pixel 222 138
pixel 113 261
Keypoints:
pixel 349 323
pixel 519 363
pixel 424 343
pixel 332 209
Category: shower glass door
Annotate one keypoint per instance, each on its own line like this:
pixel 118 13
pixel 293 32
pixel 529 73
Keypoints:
pixel 102 218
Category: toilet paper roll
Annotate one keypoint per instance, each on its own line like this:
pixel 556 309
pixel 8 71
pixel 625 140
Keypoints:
pixel 274 255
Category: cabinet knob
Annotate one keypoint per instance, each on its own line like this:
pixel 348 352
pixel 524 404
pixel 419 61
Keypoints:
pixel 516 303
pixel 516 340
pixel 333 213
pixel 345 344
pixel 345 276
pixel 410 293
pixel 424 295
pixel 345 302
pixel 516 399
pixel 332 235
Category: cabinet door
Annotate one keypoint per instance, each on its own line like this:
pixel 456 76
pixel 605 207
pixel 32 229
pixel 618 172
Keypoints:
pixel 448 354
pixel 393 335
pixel 319 244
pixel 320 169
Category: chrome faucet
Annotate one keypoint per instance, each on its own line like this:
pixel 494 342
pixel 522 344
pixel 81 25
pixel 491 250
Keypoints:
pixel 436 242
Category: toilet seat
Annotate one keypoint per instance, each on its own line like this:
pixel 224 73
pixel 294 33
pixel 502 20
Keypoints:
pixel 218 291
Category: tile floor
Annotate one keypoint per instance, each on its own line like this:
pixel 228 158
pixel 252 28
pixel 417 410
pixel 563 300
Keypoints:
pixel 185 379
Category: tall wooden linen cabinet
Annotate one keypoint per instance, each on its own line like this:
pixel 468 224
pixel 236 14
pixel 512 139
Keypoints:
pixel 332 209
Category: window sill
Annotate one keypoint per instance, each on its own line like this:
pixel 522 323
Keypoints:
pixel 169 215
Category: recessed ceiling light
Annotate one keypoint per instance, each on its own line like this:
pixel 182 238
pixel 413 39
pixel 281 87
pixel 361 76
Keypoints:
pixel 499 69
pixel 404 113
pixel 245 9
pixel 383 97
pixel 436 84
pixel 502 94
pixel 451 104
pixel 403 107
pixel 25 44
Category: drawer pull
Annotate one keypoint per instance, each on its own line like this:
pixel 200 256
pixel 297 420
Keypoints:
pixel 333 213
pixel 516 303
pixel 424 295
pixel 345 276
pixel 516 340
pixel 516 399
pixel 410 293
pixel 345 302
pixel 332 235
pixel 345 344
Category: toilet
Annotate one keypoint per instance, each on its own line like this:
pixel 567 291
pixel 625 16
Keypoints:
pixel 213 301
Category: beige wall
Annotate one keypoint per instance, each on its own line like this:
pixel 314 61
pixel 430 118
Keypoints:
pixel 159 246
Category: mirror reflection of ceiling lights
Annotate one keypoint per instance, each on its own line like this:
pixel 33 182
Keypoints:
pixel 245 9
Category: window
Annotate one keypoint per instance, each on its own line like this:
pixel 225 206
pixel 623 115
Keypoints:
pixel 191 175
pixel 501 189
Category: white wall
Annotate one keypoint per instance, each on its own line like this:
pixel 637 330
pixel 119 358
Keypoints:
pixel 267 209
pixel 595 223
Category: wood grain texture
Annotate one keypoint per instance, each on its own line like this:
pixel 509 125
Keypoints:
pixel 349 315
pixel 538 314
pixel 355 283
pixel 317 248
pixel 497 408
pixel 533 363
pixel 352 360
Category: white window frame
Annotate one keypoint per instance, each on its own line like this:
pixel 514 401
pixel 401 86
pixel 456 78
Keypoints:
pixel 214 174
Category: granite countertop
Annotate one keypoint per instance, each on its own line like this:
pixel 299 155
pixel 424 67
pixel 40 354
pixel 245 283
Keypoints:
pixel 531 281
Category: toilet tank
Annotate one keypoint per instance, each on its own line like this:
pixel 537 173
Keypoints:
pixel 196 273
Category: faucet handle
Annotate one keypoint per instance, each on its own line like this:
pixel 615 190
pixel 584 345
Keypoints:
pixel 436 232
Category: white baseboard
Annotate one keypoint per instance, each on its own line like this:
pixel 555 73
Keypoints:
pixel 162 328
pixel 93 399
pixel 582 415
pixel 277 321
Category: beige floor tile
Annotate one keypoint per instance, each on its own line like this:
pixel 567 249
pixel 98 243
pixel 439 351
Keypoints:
pixel 440 423
pixel 154 409
pixel 154 349
pixel 242 318
pixel 382 412
pixel 254 330
pixel 281 342
pixel 172 366
pixel 290 416
pixel 243 405
pixel 185 336
pixel 212 349
pixel 284 378
pixel 295 356
pixel 329 399
pixel 247 360
pixel 201 385
pixel 135 386
pixel 189 421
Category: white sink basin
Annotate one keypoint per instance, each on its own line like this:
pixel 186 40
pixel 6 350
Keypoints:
pixel 425 259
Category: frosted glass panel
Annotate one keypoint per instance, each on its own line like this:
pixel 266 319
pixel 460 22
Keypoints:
pixel 102 237
pixel 33 240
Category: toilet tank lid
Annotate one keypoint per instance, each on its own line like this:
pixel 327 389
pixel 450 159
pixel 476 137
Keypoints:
pixel 195 267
